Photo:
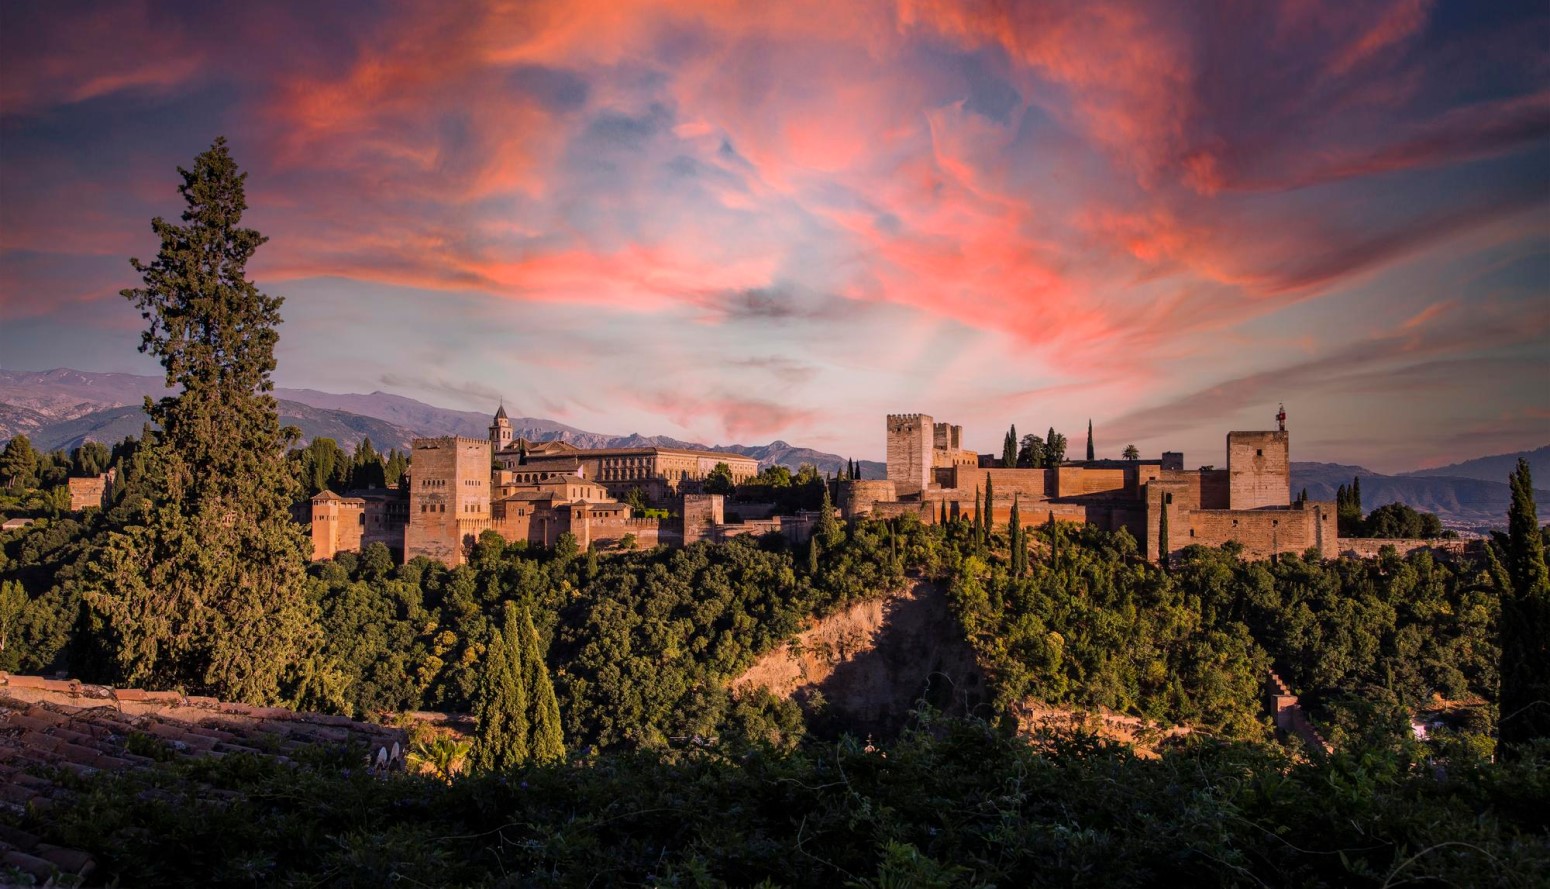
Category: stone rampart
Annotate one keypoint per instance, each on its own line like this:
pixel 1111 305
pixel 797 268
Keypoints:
pixel 1371 547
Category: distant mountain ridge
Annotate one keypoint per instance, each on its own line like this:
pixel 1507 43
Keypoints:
pixel 1491 469
pixel 1461 503
pixel 61 408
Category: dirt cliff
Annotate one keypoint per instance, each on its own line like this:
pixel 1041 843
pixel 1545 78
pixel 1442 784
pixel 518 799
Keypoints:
pixel 863 669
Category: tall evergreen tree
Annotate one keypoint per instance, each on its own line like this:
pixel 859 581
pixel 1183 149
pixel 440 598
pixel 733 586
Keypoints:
pixel 206 590
pixel 1162 533
pixel 393 470
pixel 990 508
pixel 942 519
pixel 978 525
pixel 547 743
pixel 501 702
pixel 368 471
pixel 829 526
pixel 1054 448
pixel 1019 547
pixel 1090 451
pixel 1525 622
pixel 1054 540
pixel 813 549
pixel 18 462
pixel 1009 448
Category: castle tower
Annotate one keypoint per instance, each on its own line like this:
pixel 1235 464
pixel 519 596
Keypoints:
pixel 500 430
pixel 449 498
pixel 911 438
pixel 1259 469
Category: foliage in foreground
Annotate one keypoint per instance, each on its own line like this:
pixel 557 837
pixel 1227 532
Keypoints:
pixel 957 804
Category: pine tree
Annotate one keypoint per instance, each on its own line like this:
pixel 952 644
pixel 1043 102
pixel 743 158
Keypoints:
pixel 207 591
pixel 1090 451
pixel 18 462
pixel 1524 622
pixel 547 743
pixel 501 702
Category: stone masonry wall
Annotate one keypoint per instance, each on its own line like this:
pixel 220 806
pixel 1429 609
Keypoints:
pixel 910 439
pixel 449 497
pixel 1259 466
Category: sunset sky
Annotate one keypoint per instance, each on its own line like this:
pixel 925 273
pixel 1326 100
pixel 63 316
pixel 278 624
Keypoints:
pixel 735 222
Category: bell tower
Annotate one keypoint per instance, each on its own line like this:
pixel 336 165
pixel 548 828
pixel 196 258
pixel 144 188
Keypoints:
pixel 500 430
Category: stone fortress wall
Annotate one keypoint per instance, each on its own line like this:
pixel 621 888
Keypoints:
pixel 461 487
pixel 1248 502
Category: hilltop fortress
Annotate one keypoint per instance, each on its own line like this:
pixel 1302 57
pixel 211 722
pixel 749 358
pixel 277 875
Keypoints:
pixel 1250 501
pixel 457 488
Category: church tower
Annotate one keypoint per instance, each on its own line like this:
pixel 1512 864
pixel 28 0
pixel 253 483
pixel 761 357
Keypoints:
pixel 500 430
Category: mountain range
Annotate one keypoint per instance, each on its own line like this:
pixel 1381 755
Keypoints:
pixel 61 408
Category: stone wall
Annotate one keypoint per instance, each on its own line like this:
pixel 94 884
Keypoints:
pixel 701 514
pixel 1262 532
pixel 1370 547
pixel 858 497
pixel 1082 481
pixel 90 493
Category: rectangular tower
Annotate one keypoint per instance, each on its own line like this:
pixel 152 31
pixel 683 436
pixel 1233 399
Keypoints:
pixel 449 497
pixel 910 441
pixel 1259 470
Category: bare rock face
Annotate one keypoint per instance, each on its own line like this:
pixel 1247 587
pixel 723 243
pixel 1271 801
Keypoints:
pixel 863 670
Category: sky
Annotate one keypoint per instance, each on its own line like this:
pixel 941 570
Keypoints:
pixel 738 222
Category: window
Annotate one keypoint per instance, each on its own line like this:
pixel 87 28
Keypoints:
pixel 1259 452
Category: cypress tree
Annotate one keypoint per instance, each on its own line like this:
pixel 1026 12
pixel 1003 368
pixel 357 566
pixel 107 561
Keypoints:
pixel 990 508
pixel 1054 540
pixel 942 520
pixel 205 588
pixel 1089 440
pixel 812 556
pixel 979 530
pixel 1162 533
pixel 501 702
pixel 828 525
pixel 1019 547
pixel 547 742
pixel 1009 448
pixel 1524 628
